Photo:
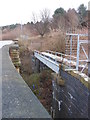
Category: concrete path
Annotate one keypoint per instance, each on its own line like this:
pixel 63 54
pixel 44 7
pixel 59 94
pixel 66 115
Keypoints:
pixel 5 42
pixel 18 101
pixel 0 84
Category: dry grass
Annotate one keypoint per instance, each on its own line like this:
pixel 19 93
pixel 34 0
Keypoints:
pixel 12 34
pixel 54 41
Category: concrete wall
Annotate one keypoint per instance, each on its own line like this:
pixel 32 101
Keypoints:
pixel 70 100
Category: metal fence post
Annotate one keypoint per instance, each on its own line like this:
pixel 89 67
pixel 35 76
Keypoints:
pixel 78 50
pixel 70 49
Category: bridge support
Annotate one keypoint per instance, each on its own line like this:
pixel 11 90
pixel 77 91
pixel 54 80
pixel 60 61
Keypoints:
pixel 37 63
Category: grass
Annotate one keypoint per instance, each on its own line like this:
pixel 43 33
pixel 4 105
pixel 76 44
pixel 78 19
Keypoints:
pixel 33 81
pixel 38 82
pixel 54 41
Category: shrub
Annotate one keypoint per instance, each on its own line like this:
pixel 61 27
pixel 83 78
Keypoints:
pixel 45 75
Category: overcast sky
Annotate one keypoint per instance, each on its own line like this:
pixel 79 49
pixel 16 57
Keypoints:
pixel 15 11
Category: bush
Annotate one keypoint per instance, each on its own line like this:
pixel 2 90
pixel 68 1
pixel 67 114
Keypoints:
pixel 45 75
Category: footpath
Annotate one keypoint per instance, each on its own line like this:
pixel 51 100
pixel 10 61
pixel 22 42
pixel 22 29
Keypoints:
pixel 18 101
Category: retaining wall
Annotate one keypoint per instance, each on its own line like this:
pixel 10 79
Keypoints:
pixel 70 100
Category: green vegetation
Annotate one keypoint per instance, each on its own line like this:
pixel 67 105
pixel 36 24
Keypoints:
pixel 36 81
pixel 4 27
pixel 45 75
pixel 13 26
pixel 82 12
pixel 59 11
pixel 41 85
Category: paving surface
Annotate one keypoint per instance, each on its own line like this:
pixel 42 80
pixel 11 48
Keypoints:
pixel 0 84
pixel 18 101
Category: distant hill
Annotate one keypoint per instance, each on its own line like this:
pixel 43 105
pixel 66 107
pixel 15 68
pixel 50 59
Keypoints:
pixel 14 31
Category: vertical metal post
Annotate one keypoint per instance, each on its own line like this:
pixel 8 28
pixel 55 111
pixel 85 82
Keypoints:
pixel 70 49
pixel 37 65
pixel 78 50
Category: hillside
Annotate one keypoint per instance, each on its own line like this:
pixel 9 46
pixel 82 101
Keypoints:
pixel 14 31
pixel 29 37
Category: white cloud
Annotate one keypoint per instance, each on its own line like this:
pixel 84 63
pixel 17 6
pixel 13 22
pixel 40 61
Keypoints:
pixel 15 11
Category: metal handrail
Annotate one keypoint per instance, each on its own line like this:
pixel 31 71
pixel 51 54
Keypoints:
pixel 72 34
pixel 60 54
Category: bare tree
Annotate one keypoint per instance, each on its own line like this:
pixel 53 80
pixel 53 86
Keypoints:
pixel 42 22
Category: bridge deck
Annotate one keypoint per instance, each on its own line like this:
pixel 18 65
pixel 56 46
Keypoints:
pixel 18 101
pixel 53 61
pixel 60 59
pixel 56 60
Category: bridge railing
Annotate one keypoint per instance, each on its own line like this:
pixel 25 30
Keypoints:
pixel 70 62
pixel 60 54
pixel 48 61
